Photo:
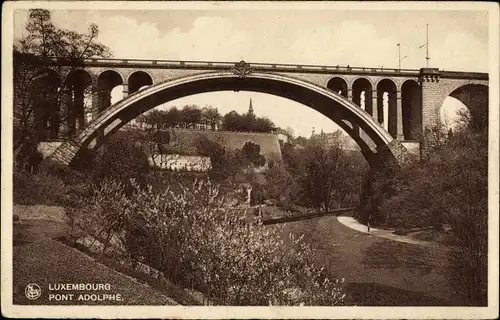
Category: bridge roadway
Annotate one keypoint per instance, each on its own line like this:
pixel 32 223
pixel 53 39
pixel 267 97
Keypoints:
pixel 269 67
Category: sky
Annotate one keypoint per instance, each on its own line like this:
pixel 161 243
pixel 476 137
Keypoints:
pixel 458 40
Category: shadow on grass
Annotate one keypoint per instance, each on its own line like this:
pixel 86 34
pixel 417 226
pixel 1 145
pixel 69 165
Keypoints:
pixel 374 294
pixel 19 235
pixel 392 255
pixel 168 289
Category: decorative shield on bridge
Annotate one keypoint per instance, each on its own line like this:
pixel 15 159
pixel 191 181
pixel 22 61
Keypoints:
pixel 242 69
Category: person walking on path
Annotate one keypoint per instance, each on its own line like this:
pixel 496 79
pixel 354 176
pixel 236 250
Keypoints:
pixel 368 223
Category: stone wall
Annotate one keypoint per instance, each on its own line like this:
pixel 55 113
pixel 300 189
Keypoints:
pixel 413 147
pixel 181 162
pixel 268 142
pixel 47 148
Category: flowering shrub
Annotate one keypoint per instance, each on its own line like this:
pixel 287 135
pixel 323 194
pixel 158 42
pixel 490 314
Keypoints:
pixel 101 213
pixel 191 234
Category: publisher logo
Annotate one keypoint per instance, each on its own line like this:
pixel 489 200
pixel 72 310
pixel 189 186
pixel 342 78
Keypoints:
pixel 33 291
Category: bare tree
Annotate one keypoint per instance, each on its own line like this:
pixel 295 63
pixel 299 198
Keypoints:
pixel 325 169
pixel 39 84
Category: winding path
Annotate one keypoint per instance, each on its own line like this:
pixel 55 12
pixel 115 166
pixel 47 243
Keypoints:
pixel 352 223
pixel 379 269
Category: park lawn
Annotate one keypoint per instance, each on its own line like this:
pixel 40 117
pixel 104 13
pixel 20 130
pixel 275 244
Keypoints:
pixel 39 258
pixel 377 271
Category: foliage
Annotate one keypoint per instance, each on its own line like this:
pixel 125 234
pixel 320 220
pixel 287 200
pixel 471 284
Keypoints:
pixel 187 117
pixel 50 185
pixel 251 152
pixel 448 189
pixel 155 143
pixel 40 188
pixel 36 88
pixel 193 236
pixel 101 213
pixel 225 163
pixel 211 116
pixel 324 172
pixel 46 40
pixel 190 115
pixel 324 175
pixel 280 185
pixel 248 122
pixel 121 160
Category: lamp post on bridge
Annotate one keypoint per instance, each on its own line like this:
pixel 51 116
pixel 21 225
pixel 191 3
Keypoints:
pixel 399 56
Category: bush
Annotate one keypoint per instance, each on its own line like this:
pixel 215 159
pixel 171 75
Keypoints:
pixel 101 214
pixel 121 160
pixel 39 188
pixel 195 238
pixel 225 163
pixel 449 188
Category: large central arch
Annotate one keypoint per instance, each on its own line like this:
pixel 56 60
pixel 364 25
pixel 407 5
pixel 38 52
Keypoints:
pixel 377 145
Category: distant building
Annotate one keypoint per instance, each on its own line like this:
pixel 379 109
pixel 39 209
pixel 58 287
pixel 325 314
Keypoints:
pixel 176 162
pixel 334 139
pixel 283 136
pixel 250 107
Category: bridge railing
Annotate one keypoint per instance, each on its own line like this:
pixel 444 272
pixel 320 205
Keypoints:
pixel 220 64
pixel 266 66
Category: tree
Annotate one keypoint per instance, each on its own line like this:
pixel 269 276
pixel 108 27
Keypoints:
pixel 198 239
pixel 211 116
pixel 264 125
pixel 251 152
pixel 325 172
pixel 154 119
pixel 46 40
pixel 38 89
pixel 248 122
pixel 120 160
pixel 232 121
pixel 225 163
pixel 280 184
pixel 449 189
pixel 190 115
pixel 154 141
pixel 172 117
pixel 290 133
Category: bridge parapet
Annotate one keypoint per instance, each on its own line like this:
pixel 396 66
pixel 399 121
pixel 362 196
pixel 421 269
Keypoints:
pixel 227 65
pixel 286 67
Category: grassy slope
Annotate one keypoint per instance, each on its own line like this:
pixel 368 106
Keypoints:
pixel 38 258
pixel 378 271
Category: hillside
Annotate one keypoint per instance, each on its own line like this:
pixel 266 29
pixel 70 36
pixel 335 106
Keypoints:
pixel 268 142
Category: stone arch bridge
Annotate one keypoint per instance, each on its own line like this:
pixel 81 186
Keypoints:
pixel 386 111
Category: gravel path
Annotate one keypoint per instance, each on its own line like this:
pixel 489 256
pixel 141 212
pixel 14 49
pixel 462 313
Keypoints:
pixel 352 223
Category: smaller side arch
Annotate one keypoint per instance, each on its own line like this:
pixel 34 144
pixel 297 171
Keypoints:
pixel 338 85
pixel 107 80
pixel 475 98
pixel 362 94
pixel 44 91
pixel 111 70
pixel 77 86
pixel 138 79
pixel 141 70
pixel 411 104
pixel 386 105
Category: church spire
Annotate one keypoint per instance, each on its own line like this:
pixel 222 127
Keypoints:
pixel 250 107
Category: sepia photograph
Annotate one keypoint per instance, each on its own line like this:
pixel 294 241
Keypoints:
pixel 235 160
